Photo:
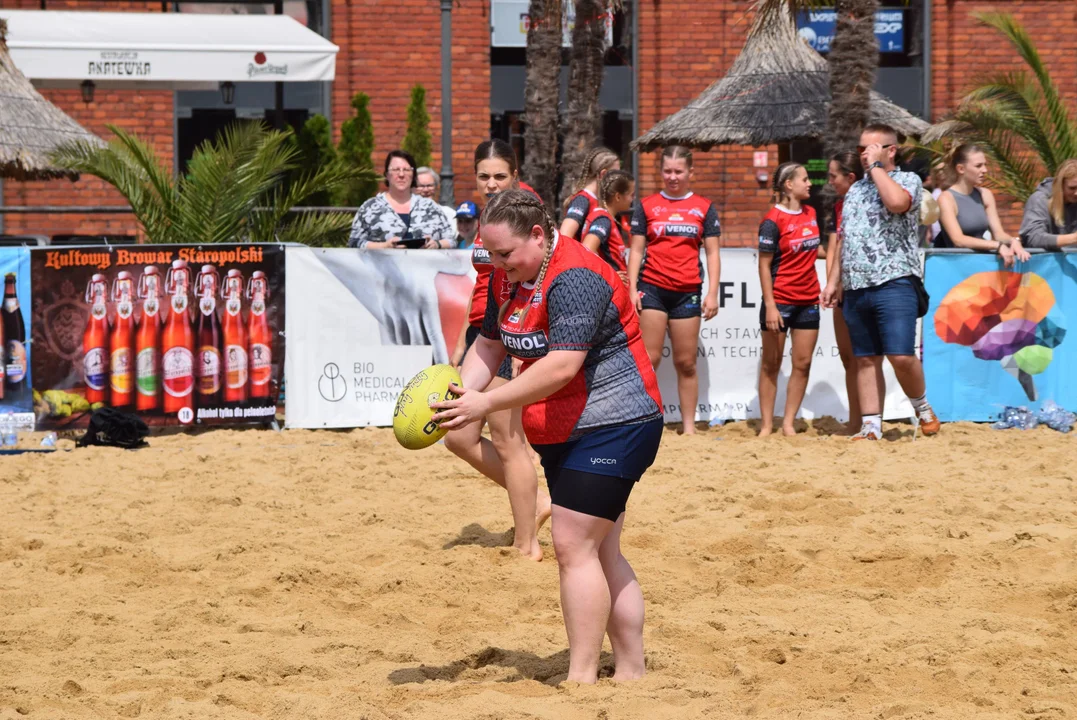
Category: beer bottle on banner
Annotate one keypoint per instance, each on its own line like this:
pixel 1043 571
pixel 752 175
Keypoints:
pixel 261 342
pixel 177 341
pixel 95 342
pixel 3 359
pixel 208 360
pixel 14 338
pixel 235 339
pixel 147 353
pixel 121 365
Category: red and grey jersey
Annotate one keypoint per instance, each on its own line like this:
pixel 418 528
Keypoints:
pixel 611 243
pixel 581 305
pixel 674 228
pixel 793 238
pixel 480 260
pixel 579 208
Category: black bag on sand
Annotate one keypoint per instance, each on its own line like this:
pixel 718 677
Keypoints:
pixel 113 428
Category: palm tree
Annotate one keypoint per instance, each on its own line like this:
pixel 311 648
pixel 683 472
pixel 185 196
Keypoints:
pixel 1019 118
pixel 541 97
pixel 240 187
pixel 582 120
pixel 853 60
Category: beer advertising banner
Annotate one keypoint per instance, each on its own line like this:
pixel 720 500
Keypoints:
pixel 180 335
pixel 15 389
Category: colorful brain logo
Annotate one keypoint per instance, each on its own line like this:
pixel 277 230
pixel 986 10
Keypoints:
pixel 1005 316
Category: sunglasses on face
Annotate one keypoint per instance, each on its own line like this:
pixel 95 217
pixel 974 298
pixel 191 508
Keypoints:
pixel 860 149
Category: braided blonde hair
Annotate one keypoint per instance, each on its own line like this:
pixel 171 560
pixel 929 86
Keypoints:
pixel 521 211
pixel 614 182
pixel 597 162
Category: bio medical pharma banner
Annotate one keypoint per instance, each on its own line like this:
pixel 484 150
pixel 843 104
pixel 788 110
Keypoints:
pixel 995 337
pixel 15 349
pixel 729 352
pixel 177 334
pixel 363 323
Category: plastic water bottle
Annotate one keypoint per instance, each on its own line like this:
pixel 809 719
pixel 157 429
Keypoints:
pixel 1055 417
pixel 49 441
pixel 1016 417
pixel 9 431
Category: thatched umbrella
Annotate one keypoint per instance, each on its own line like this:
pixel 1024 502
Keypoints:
pixel 778 90
pixel 30 126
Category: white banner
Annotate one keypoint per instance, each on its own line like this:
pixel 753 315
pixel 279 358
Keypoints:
pixel 360 324
pixel 363 323
pixel 730 348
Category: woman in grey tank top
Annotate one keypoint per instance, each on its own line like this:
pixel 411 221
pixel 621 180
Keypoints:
pixel 967 211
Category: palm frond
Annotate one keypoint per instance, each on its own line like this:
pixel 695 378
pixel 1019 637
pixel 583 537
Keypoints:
pixel 1012 101
pixel 332 178
pixel 319 229
pixel 1061 127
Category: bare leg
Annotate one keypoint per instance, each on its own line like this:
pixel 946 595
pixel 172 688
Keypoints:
pixel 652 325
pixel 625 624
pixel 803 348
pixel 869 383
pixel 684 336
pixel 469 445
pixel 521 481
pixel 910 374
pixel 585 596
pixel 845 351
pixel 769 369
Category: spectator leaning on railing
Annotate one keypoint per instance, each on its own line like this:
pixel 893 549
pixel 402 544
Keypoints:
pixel 399 218
pixel 1050 220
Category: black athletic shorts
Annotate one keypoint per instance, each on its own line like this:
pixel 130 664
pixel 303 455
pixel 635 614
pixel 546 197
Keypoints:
pixel 595 473
pixel 472 333
pixel 794 317
pixel 504 371
pixel 678 305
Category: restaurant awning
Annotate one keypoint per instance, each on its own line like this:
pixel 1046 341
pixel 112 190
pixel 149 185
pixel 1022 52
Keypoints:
pixel 164 50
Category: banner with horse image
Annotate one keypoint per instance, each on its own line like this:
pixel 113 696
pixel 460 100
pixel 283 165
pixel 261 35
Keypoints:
pixel 177 334
pixel 997 337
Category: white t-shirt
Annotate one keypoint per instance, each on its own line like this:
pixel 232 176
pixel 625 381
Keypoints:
pixel 450 215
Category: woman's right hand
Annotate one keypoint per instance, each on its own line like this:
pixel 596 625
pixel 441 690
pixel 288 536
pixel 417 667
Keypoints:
pixel 637 299
pixel 774 319
pixel 457 356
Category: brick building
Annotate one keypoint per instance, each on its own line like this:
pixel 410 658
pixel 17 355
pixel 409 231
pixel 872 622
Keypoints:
pixel 385 48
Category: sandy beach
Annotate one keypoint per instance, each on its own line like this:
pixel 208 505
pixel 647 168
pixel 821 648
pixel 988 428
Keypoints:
pixel 254 574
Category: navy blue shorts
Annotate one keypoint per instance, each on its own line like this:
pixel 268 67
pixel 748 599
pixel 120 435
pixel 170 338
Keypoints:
pixel 678 305
pixel 882 319
pixel 794 317
pixel 594 474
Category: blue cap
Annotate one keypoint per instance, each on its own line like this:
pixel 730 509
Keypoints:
pixel 467 209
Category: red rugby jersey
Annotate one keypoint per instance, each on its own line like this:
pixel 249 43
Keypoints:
pixel 674 228
pixel 793 238
pixel 611 246
pixel 579 208
pixel 581 305
pixel 480 260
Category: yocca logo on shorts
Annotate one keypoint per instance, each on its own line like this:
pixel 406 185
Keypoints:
pixel 331 385
pixel 603 461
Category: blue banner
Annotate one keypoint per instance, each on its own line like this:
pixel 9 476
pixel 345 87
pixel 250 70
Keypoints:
pixel 996 337
pixel 817 28
pixel 17 395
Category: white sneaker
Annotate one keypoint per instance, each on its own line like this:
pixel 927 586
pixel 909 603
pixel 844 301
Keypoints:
pixel 867 432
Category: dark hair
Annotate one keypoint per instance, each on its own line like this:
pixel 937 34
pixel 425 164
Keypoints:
pixel 677 152
pixel 849 164
pixel 496 149
pixel 782 175
pixel 521 211
pixel 884 129
pixel 406 157
pixel 614 182
pixel 960 154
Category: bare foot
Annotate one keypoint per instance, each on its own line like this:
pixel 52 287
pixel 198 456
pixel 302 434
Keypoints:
pixel 619 676
pixel 765 430
pixel 789 431
pixel 530 549
pixel 543 510
pixel 689 429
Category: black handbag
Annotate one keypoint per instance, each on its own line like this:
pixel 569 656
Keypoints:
pixel 923 300
pixel 113 428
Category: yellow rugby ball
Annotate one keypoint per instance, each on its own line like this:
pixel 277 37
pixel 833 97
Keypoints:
pixel 412 422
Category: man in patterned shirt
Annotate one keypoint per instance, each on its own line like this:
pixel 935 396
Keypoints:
pixel 877 274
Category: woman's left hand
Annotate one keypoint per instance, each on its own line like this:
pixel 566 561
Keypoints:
pixel 710 307
pixel 471 406
pixel 1019 251
pixel 1006 254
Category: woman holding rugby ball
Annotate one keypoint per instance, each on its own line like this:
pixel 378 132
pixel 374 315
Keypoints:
pixel 591 409
pixel 504 458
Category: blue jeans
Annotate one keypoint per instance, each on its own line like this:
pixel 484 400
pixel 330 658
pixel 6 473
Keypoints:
pixel 882 319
